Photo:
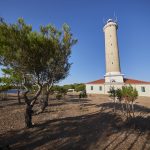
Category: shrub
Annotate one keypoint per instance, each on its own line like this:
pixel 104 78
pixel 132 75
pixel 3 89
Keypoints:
pixel 83 94
pixel 58 96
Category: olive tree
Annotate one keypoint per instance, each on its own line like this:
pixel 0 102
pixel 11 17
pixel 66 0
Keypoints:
pixel 42 58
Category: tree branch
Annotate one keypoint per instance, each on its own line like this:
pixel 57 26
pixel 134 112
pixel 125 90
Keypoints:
pixel 33 99
pixel 26 92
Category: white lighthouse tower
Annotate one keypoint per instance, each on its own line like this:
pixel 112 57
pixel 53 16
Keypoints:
pixel 113 71
pixel 114 77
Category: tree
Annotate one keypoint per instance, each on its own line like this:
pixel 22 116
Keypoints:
pixel 3 91
pixel 13 80
pixel 112 94
pixel 41 58
pixel 59 89
pixel 79 87
pixel 119 96
pixel 61 92
pixel 132 96
pixel 58 67
pixel 129 95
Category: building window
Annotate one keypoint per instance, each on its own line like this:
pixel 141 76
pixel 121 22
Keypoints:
pixel 91 87
pixel 112 62
pixel 100 88
pixel 143 89
pixel 110 35
pixel 111 44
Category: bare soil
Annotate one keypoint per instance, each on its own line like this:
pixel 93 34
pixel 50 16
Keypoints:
pixel 75 124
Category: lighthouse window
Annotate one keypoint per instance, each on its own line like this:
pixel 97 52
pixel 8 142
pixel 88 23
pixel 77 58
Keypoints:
pixel 143 89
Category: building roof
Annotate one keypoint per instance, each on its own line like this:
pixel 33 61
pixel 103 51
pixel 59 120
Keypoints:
pixel 100 81
pixel 126 81
pixel 133 81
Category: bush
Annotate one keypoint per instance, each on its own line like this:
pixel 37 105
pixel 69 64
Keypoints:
pixel 58 96
pixel 83 94
pixel 80 87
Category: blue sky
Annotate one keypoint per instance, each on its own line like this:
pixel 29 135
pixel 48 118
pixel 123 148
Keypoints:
pixel 85 18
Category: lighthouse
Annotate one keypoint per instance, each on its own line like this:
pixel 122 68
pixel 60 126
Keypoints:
pixel 113 76
pixel 113 70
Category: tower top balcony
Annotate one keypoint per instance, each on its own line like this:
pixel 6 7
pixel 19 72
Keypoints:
pixel 110 22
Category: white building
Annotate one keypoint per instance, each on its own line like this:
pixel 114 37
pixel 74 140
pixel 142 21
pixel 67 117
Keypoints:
pixel 113 76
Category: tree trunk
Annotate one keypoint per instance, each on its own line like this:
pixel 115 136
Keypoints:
pixel 127 111
pixel 30 103
pixel 18 95
pixel 43 103
pixel 122 105
pixel 28 116
pixel 133 109
pixel 114 105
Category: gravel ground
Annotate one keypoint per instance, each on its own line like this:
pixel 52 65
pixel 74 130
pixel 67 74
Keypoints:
pixel 73 123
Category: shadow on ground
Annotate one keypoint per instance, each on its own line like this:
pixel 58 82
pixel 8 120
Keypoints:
pixel 137 108
pixel 90 131
pixel 80 132
pixel 141 121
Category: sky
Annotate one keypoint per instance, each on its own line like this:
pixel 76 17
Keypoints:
pixel 86 19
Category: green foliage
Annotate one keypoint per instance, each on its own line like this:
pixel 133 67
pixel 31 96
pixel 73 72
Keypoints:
pixel 75 86
pixel 129 93
pixel 63 90
pixel 69 86
pixel 44 54
pixel 59 89
pixel 83 94
pixel 5 88
pixel 11 78
pixel 58 96
pixel 55 88
pixel 112 92
pixel 41 57
pixel 119 94
pixel 79 87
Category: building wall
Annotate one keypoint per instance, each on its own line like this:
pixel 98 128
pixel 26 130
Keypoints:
pixel 96 89
pixel 106 87
pixel 118 78
pixel 147 89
